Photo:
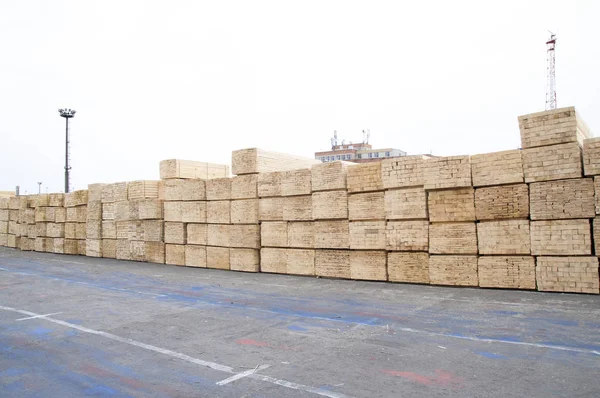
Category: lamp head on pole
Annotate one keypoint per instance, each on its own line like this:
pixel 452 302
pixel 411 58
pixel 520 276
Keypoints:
pixel 67 113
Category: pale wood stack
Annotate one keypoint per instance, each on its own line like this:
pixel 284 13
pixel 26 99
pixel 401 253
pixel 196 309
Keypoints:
pixel 191 169
pixel 185 229
pixel 4 220
pixel 561 199
pixel 519 219
pixel 287 230
pixel 75 228
pixel 367 222
pixel 503 229
pixel 406 213
pixel 452 228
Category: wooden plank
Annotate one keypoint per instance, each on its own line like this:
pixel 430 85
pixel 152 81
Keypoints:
pixel 447 172
pixel 191 169
pixel 453 270
pixel 175 254
pixel 453 238
pixel 184 190
pixel 297 208
pixel 561 238
pixel 407 235
pixel 296 182
pixel 405 203
pixel 109 248
pixel 269 184
pixel 332 263
pixel 503 202
pixel 244 211
pixel 557 126
pixel 197 234
pixel 193 212
pixel 506 272
pixel 366 206
pixel 254 160
pixel 76 198
pixel 365 177
pixel 218 212
pixel 497 168
pixel 591 156
pixel 142 189
pixel 217 257
pixel 556 162
pixel 274 234
pixel 246 260
pixel 154 252
pixel 150 209
pixel 368 265
pixel 244 187
pixel 367 235
pixel 218 189
pixel 218 235
pixel 109 230
pixel 408 267
pixel 195 256
pixel 452 205
pixel 329 176
pixel 332 234
pixel 244 236
pixel 504 237
pixel 564 199
pixel 93 247
pixel 175 233
pixel 301 234
pixel 330 205
pixel 567 274
pixel 273 260
pixel 270 209
pixel 403 172
pixel 300 262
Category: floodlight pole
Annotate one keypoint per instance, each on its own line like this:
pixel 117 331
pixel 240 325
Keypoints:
pixel 67 114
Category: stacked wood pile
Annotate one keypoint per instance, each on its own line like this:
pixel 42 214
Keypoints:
pixel 502 212
pixel 452 228
pixel 518 219
pixel 75 229
pixel 561 199
pixel 406 214
pixel 367 222
pixel 185 233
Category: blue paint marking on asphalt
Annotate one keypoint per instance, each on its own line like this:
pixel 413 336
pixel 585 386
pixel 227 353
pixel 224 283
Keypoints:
pixel 40 332
pixel 12 372
pixel 500 312
pixel 297 328
pixel 490 355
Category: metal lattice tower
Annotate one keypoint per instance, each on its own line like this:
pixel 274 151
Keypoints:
pixel 67 114
pixel 551 73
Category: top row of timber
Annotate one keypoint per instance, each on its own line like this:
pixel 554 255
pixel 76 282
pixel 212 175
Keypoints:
pixel 551 150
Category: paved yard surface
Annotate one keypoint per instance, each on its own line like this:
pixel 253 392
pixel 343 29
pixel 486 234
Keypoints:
pixel 76 326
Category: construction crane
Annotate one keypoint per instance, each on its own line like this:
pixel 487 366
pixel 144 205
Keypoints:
pixel 550 73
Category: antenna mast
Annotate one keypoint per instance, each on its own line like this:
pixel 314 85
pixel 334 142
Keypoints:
pixel 334 140
pixel 551 73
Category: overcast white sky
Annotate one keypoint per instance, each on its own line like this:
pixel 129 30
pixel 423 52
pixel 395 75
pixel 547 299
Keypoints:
pixel 153 80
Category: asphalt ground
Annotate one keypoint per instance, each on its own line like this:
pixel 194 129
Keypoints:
pixel 75 326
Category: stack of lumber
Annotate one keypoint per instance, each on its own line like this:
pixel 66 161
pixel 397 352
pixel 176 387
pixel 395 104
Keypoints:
pixel 75 228
pixel 452 228
pixel 591 156
pixel 561 199
pixel 503 229
pixel 406 214
pixel 244 251
pixel 367 222
pixel 185 216
pixel 10 214
pixel 93 241
pixel 191 169
pixel 45 217
pixel 25 227
pixel 287 229
pixel 4 220
pixel 254 160
pixel 113 196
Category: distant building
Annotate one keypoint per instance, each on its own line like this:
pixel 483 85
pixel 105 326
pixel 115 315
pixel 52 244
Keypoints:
pixel 357 153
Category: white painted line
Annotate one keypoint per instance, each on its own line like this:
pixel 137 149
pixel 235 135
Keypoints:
pixel 241 375
pixel 183 357
pixel 38 316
